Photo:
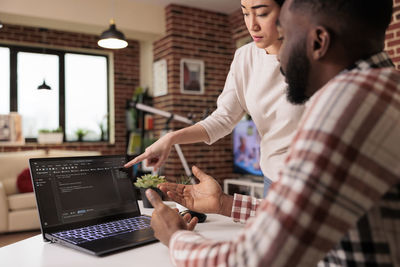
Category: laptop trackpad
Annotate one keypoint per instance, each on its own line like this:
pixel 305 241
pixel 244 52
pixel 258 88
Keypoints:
pixel 126 240
pixel 137 236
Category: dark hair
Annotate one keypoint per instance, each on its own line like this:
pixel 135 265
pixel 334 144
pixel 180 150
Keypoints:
pixel 280 2
pixel 371 13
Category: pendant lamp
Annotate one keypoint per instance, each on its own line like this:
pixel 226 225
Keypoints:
pixel 112 38
pixel 43 85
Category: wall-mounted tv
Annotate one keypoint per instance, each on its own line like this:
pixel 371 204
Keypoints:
pixel 246 148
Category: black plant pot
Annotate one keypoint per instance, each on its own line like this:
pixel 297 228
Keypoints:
pixel 146 202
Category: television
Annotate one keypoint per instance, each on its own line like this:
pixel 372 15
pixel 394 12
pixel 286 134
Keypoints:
pixel 246 148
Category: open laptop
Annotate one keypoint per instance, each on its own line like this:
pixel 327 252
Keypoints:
pixel 89 204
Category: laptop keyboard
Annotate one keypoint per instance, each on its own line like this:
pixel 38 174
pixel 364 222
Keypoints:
pixel 94 232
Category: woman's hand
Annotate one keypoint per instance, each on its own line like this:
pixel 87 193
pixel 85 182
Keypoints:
pixel 156 154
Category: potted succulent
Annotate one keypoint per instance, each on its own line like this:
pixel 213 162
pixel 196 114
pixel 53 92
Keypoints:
pixel 54 136
pixel 149 181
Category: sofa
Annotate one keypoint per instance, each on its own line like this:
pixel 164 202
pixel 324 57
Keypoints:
pixel 18 211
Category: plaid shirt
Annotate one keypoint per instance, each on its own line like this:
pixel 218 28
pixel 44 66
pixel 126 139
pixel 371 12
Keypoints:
pixel 337 202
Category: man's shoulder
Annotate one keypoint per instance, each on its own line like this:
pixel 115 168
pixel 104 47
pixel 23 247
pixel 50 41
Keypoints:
pixel 371 80
pixel 356 92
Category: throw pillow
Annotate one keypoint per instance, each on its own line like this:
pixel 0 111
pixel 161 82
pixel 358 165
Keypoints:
pixel 24 182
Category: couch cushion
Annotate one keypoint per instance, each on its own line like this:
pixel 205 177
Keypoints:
pixel 22 220
pixel 24 181
pixel 10 185
pixel 12 163
pixel 21 201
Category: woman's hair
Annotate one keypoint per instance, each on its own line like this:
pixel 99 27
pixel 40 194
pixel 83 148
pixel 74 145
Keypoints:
pixel 279 2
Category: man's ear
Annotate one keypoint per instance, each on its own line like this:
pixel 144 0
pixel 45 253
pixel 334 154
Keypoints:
pixel 321 40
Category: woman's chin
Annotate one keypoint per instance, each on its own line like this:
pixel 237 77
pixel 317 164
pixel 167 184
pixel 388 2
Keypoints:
pixel 261 45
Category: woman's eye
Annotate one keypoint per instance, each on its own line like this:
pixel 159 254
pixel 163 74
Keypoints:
pixel 280 38
pixel 245 14
pixel 262 15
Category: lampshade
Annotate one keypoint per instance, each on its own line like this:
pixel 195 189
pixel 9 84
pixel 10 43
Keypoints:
pixel 112 38
pixel 44 86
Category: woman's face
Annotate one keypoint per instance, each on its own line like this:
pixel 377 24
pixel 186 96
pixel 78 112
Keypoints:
pixel 260 17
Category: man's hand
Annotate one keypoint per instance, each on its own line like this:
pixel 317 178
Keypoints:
pixel 206 197
pixel 166 221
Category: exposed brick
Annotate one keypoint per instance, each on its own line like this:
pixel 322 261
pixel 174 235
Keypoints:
pixel 196 34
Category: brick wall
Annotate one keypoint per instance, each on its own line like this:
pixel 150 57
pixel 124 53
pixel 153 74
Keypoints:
pixel 126 76
pixel 196 34
pixel 392 44
pixel 238 27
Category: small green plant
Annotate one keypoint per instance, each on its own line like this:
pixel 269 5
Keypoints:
pixel 80 133
pixel 58 130
pixel 149 180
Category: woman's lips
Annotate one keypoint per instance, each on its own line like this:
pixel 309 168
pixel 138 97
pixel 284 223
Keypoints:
pixel 257 38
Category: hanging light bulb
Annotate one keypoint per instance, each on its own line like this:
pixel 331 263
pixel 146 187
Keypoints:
pixel 112 38
pixel 1 25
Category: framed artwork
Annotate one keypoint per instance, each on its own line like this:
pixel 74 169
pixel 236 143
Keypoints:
pixel 192 76
pixel 160 78
pixel 11 129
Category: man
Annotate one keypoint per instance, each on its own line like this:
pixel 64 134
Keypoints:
pixel 337 202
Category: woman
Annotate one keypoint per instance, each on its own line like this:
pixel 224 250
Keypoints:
pixel 255 86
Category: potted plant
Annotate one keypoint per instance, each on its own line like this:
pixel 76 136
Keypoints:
pixel 149 181
pixel 80 133
pixel 54 136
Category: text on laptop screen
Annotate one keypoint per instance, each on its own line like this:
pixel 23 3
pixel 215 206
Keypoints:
pixel 79 189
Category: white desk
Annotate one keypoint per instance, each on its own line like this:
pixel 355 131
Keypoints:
pixel 33 252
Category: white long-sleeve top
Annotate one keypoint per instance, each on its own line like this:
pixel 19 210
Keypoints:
pixel 256 86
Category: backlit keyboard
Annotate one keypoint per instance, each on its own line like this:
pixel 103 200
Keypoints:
pixel 94 232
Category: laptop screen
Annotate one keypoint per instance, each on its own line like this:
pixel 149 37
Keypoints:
pixel 77 189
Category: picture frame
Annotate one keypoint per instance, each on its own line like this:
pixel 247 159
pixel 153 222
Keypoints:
pixel 160 78
pixel 192 76
pixel 11 129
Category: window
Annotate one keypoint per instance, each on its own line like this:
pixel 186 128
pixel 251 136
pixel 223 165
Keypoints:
pixel 4 80
pixel 83 87
pixel 78 99
pixel 39 108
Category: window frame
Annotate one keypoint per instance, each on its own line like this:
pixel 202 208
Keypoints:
pixel 60 52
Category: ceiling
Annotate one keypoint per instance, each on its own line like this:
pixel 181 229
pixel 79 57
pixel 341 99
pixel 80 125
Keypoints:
pixel 222 6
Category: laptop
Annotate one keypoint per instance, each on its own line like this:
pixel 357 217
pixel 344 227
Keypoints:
pixel 89 204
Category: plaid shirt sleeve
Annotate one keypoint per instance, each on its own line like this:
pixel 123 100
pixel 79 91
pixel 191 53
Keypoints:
pixel 244 207
pixel 343 160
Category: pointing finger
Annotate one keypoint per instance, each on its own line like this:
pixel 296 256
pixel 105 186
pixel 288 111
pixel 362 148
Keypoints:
pixel 136 160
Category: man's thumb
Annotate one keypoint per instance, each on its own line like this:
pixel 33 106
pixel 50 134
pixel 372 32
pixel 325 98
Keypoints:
pixel 199 173
pixel 154 198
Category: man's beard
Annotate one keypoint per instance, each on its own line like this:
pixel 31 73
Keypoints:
pixel 297 72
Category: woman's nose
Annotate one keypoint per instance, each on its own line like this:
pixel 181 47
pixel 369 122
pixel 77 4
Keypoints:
pixel 254 26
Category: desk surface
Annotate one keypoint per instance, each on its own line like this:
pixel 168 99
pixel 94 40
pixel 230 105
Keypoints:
pixel 34 251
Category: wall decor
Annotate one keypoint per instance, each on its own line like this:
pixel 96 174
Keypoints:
pixel 192 76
